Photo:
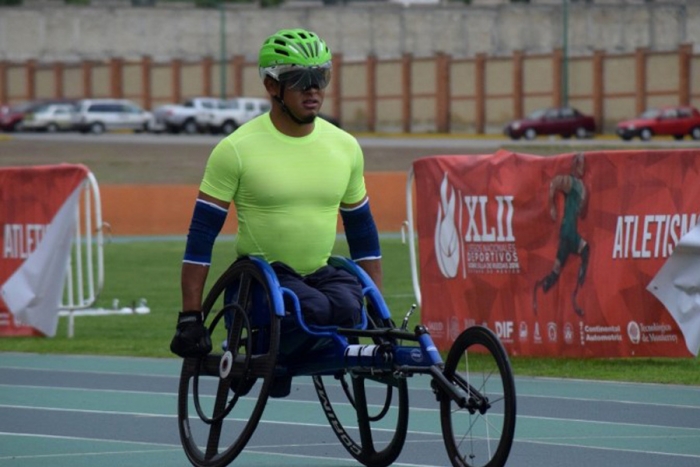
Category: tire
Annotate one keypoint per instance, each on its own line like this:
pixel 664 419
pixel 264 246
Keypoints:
pixel 229 127
pixel 97 128
pixel 387 392
pixel 530 134
pixel 189 127
pixel 695 133
pixel 581 133
pixel 245 366
pixel 483 429
pixel 645 134
pixel 51 128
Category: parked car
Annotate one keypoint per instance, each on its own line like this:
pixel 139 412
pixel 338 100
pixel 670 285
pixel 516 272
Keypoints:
pixel 12 117
pixel 670 121
pixel 49 117
pixel 562 121
pixel 182 118
pixel 100 115
pixel 228 115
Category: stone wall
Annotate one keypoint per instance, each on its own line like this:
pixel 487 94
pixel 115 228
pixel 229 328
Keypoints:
pixel 113 28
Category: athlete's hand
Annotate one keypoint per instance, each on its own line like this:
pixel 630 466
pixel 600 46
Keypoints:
pixel 553 212
pixel 191 336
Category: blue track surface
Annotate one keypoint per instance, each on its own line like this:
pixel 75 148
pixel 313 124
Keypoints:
pixel 108 411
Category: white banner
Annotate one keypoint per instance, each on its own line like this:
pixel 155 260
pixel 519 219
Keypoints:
pixel 677 286
pixel 33 292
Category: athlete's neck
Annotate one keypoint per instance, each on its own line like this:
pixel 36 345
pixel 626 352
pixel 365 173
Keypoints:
pixel 287 126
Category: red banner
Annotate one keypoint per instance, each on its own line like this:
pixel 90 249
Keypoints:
pixel 38 208
pixel 554 253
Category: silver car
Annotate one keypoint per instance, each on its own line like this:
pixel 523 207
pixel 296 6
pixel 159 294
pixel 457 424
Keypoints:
pixel 99 115
pixel 49 117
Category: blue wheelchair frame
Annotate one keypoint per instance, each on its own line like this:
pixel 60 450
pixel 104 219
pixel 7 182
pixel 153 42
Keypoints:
pixel 336 352
pixel 342 355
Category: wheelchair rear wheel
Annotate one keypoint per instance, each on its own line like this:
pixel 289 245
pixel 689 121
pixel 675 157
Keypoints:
pixel 222 396
pixel 479 433
pixel 379 401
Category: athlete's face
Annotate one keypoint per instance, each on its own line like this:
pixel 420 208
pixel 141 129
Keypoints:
pixel 305 104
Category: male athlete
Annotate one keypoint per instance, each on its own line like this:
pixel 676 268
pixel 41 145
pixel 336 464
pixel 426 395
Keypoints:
pixel 287 173
pixel 570 241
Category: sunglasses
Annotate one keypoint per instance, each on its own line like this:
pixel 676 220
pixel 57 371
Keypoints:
pixel 303 78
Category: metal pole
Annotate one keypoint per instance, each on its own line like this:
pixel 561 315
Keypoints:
pixel 222 50
pixel 565 61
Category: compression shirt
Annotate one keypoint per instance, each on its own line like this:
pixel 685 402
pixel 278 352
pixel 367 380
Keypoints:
pixel 286 190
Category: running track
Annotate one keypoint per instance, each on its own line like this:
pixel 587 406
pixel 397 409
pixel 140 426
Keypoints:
pixel 110 411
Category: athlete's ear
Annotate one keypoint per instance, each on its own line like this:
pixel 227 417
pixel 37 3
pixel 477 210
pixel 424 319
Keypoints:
pixel 272 86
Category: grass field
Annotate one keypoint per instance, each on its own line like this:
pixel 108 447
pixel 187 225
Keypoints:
pixel 150 269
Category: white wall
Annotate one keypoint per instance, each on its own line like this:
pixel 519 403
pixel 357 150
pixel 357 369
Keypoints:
pixel 112 28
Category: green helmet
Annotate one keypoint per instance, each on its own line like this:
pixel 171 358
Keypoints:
pixel 292 48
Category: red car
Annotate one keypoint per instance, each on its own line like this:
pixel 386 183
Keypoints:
pixel 669 121
pixel 564 121
pixel 11 116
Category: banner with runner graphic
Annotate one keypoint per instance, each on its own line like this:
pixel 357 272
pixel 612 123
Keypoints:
pixel 555 253
pixel 38 211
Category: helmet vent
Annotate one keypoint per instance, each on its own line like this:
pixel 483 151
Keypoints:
pixel 282 52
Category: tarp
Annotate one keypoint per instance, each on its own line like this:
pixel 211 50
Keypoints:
pixel 38 212
pixel 560 278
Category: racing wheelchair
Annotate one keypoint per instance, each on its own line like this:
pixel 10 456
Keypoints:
pixel 359 375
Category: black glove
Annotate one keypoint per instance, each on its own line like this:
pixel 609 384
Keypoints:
pixel 191 336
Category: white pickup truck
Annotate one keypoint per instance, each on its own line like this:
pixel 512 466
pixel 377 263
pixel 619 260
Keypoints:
pixel 184 118
pixel 232 113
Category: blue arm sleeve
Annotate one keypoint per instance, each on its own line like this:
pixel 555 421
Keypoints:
pixel 207 221
pixel 361 232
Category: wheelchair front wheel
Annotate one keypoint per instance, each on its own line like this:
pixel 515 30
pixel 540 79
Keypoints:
pixel 479 431
pixel 222 396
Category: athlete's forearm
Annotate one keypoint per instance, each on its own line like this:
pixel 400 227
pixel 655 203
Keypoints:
pixel 192 279
pixel 373 267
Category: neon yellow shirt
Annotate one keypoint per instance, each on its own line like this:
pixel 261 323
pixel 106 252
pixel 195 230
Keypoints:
pixel 286 190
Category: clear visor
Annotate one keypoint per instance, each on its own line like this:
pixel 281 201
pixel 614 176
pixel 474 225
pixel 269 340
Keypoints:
pixel 300 78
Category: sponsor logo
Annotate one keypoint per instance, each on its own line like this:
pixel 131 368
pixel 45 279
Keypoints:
pixel 537 337
pixel 475 230
pixel 522 332
pixel 633 332
pixel 504 330
pixel 417 355
pixel 655 333
pixel 595 333
pixel 568 333
pixel 446 234
pixel 552 331
pixel 436 328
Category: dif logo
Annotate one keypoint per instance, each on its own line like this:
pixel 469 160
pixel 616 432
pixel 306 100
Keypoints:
pixel 504 329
